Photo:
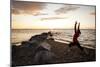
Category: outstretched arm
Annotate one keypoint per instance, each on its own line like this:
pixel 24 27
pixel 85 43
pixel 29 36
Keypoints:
pixel 75 26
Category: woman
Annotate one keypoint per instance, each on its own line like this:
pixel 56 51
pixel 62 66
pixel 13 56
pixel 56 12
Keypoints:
pixel 75 36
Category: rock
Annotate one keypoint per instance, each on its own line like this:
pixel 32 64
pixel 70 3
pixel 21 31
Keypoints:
pixel 45 45
pixel 44 56
pixel 31 52
pixel 40 37
pixel 50 34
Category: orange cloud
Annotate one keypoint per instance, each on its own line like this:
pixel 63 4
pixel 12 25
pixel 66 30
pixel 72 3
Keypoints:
pixel 92 13
pixel 19 7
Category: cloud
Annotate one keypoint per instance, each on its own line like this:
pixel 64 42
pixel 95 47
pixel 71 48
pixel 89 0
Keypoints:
pixel 65 9
pixel 93 13
pixel 35 8
pixel 14 11
pixel 26 7
pixel 52 18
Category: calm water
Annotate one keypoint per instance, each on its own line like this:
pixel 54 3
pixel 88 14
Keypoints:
pixel 87 37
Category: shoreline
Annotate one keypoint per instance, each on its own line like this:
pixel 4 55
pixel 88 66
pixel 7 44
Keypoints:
pixel 60 41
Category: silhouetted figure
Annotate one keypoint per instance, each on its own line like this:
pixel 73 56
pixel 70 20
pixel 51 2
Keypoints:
pixel 75 36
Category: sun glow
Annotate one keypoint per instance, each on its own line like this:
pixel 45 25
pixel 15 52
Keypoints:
pixel 32 22
pixel 51 16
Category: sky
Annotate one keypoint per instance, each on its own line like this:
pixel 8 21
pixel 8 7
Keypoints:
pixel 42 15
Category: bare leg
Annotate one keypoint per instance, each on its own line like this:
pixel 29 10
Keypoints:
pixel 75 26
pixel 79 28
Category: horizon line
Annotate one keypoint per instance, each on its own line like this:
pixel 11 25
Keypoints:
pixel 45 29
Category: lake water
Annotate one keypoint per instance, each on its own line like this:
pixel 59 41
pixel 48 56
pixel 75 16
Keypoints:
pixel 87 37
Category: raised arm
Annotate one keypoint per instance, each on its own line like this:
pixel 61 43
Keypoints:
pixel 75 26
